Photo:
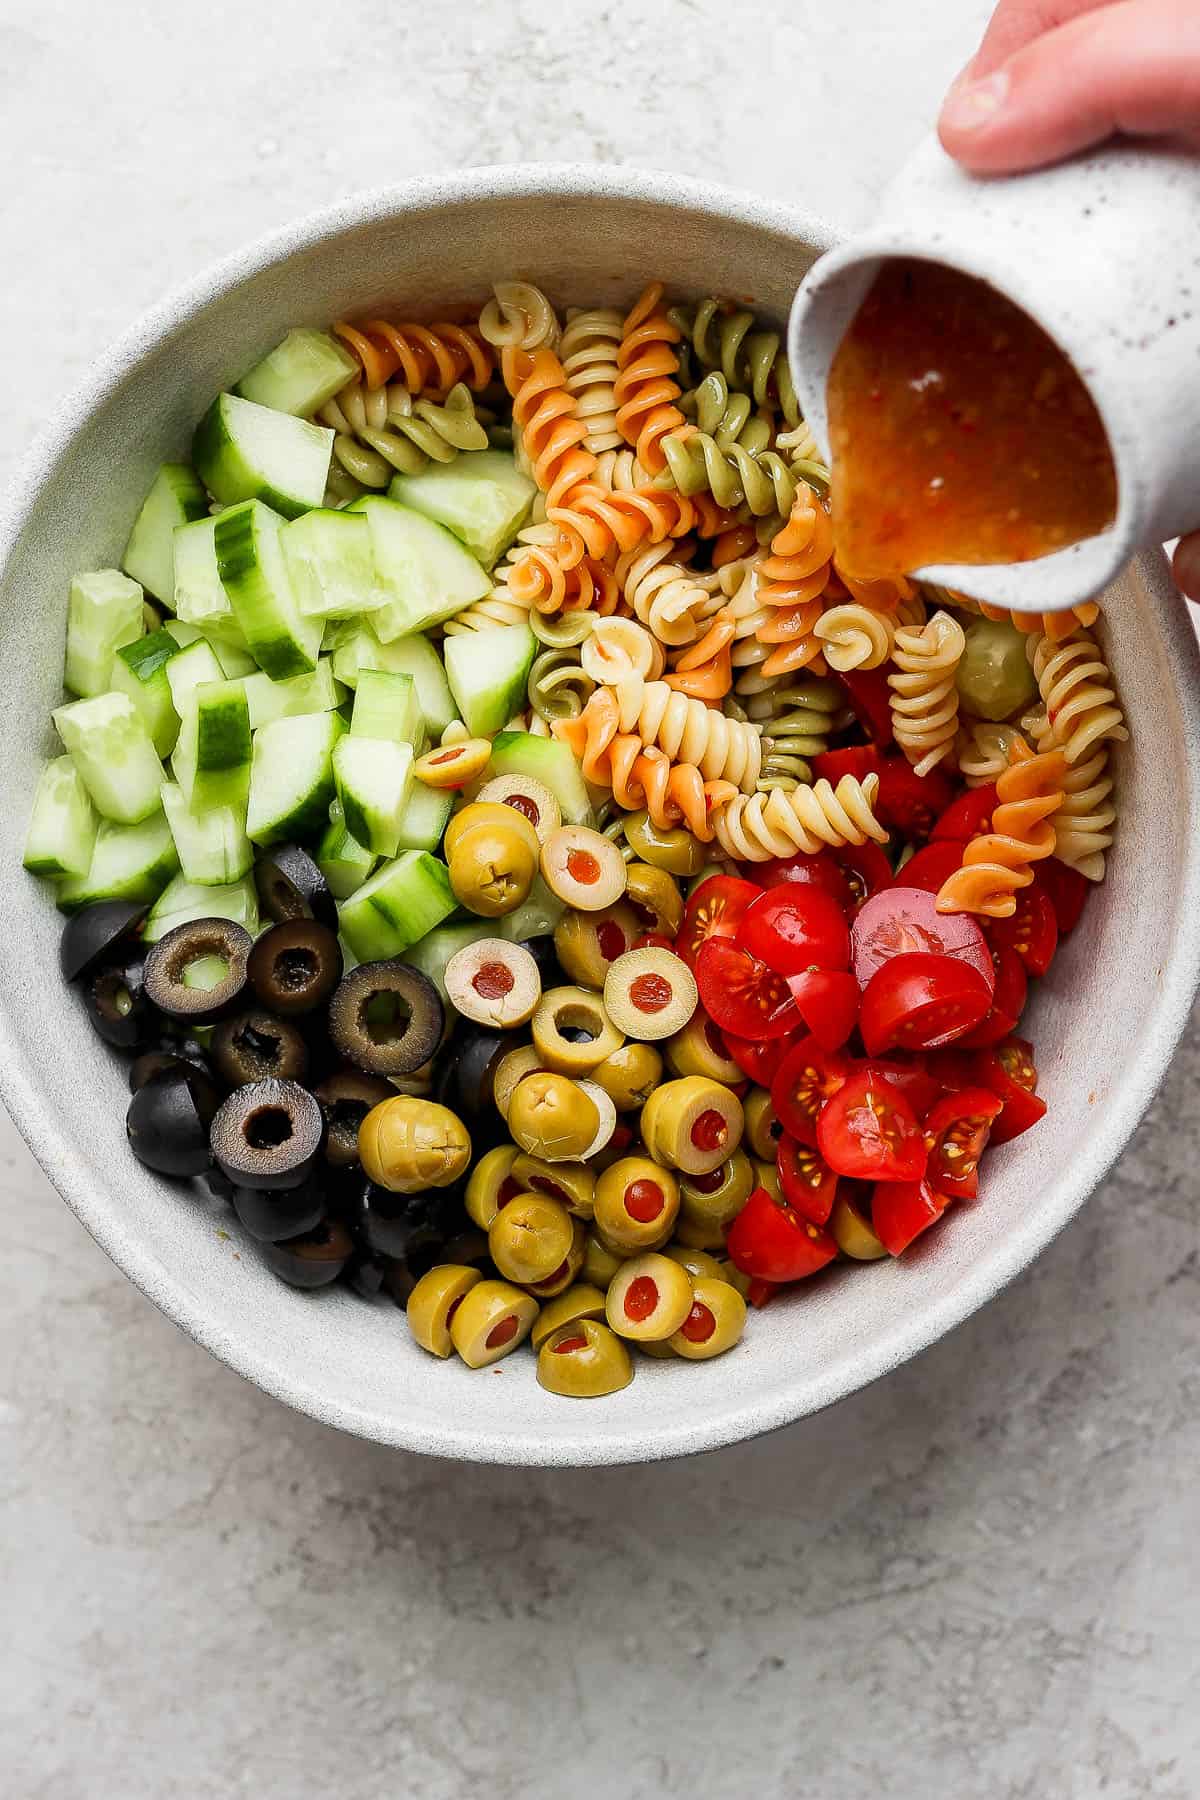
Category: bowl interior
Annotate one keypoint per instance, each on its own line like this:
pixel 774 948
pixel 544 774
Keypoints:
pixel 1103 1022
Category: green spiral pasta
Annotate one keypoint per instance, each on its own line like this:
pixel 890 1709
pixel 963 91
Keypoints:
pixel 751 358
pixel 729 454
pixel 558 687
pixel 381 430
pixel 796 721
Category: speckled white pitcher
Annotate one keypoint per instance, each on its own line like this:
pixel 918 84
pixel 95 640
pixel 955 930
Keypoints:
pixel 1104 252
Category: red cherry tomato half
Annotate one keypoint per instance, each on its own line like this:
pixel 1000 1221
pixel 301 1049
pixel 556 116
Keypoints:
pixel 921 1002
pixel 758 1061
pixel 902 1210
pixel 967 816
pixel 813 871
pixel 903 920
pixel 1011 1073
pixel 914 1080
pixel 868 693
pixel 772 1242
pixel 1008 1001
pixel 806 1078
pixel 714 910
pixel 792 928
pixel 869 1131
pixel 909 803
pixel 827 1000
pixel 930 867
pixel 808 1183
pixel 740 994
pixel 855 759
pixel 761 1293
pixel 1032 930
pixel 956 1131
pixel 866 871
pixel 1067 889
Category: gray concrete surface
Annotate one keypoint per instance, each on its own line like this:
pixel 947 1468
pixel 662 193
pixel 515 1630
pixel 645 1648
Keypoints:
pixel 976 1580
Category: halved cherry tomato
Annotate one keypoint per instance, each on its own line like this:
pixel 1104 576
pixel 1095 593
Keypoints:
pixel 808 1183
pixel 1008 1001
pixel 903 920
pixel 869 1131
pixel 868 693
pixel 852 759
pixel 921 1002
pixel 827 1000
pixel 761 1293
pixel 956 1131
pixel 758 1061
pixel 910 803
pixel 913 1079
pixel 1032 930
pixel 1011 1073
pixel 931 866
pixel 771 1241
pixel 1067 889
pixel 866 870
pixel 792 928
pixel 816 871
pixel 740 994
pixel 714 910
pixel 804 1081
pixel 902 1210
pixel 967 816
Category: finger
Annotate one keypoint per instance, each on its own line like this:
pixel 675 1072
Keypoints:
pixel 1133 66
pixel 1185 566
pixel 1016 23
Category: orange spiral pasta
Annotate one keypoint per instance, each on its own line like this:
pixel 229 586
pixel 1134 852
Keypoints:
pixel 672 793
pixel 997 862
pixel 1054 625
pixel 686 731
pixel 540 579
pixel 430 358
pixel 545 413
pixel 791 581
pixel 705 670
pixel 646 389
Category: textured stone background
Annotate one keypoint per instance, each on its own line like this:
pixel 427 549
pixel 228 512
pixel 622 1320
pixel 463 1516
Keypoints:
pixel 976 1580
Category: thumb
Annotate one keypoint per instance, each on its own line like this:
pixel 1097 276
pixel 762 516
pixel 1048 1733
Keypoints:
pixel 1130 67
pixel 1185 566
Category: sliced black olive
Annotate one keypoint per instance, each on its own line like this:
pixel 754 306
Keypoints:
pixel 345 1100
pixel 465 1068
pixel 199 941
pixel 267 1134
pixel 253 1045
pixel 158 1061
pixel 399 1225
pixel 294 967
pixel 366 1274
pixel 117 1006
pixel 546 957
pixel 219 1184
pixel 97 934
pixel 290 886
pixel 168 1122
pixel 271 1214
pixel 469 1248
pixel 386 1018
pixel 314 1260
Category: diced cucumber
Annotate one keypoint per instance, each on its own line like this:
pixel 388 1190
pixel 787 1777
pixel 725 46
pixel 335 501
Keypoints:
pixel 487 672
pixel 360 649
pixel 300 374
pixel 549 761
pixel 62 823
pixel 426 817
pixel 193 665
pixel 140 671
pixel 386 706
pixel 108 742
pixel 373 779
pixel 176 497
pixel 243 451
pixel 426 574
pixel 535 917
pixel 199 597
pixel 342 860
pixel 400 903
pixel 212 758
pixel 129 862
pixel 234 661
pixel 291 777
pixel 254 574
pixel 434 950
pixel 482 497
pixel 271 700
pixel 185 900
pixel 212 845
pixel 104 612
pixel 331 565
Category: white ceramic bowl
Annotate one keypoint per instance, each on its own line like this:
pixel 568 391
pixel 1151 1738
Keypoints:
pixel 1105 1021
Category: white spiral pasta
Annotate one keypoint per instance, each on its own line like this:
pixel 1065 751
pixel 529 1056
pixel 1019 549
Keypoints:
pixel 1078 693
pixel 669 600
pixel 924 698
pixel 502 606
pixel 688 731
pixel 855 637
pixel 806 820
pixel 588 353
pixel 983 750
pixel 519 317
pixel 621 472
pixel 619 648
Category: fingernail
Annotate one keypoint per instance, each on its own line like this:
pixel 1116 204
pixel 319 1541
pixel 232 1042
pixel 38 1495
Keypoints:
pixel 970 104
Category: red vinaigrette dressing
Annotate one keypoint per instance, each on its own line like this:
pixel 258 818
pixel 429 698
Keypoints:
pixel 960 431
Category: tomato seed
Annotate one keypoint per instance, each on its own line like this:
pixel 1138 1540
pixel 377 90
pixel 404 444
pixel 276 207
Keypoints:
pixel 644 1201
pixel 699 1325
pixel 493 981
pixel 650 993
pixel 503 1333
pixel 582 867
pixel 710 1130
pixel 641 1298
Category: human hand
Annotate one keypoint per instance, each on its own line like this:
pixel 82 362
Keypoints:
pixel 1055 76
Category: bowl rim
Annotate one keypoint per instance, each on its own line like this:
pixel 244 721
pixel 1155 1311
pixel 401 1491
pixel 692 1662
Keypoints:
pixel 68 1171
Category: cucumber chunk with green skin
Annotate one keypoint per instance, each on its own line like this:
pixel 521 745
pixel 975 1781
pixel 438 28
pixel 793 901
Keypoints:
pixel 243 451
pixel 107 741
pixel 331 565
pixel 194 665
pixel 254 574
pixel 270 700
pixel 291 777
pixel 432 952
pixel 212 845
pixel 487 672
pixel 386 706
pixel 482 497
pixel 342 860
pixel 400 903
pixel 62 823
pixel 373 779
pixel 140 671
pixel 426 817
pixel 129 862
pixel 425 573
pixel 104 612
pixel 199 597
pixel 300 374
pixel 234 662
pixel 212 758
pixel 549 761
pixel 359 649
pixel 183 900
pixel 176 498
